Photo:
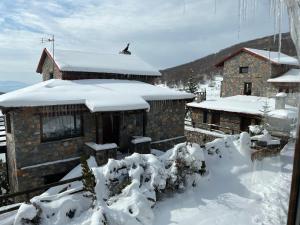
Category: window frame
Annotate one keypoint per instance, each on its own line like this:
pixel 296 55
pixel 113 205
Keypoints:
pixel 58 138
pixel 244 69
pixel 7 120
pixel 249 85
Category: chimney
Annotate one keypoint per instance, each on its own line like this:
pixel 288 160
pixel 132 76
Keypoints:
pixel 280 100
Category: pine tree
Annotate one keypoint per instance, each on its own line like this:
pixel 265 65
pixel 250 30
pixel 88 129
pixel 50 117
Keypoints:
pixel 265 110
pixel 88 179
pixel 192 85
pixel 4 187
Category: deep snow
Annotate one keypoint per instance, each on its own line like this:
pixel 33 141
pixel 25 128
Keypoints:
pixel 235 190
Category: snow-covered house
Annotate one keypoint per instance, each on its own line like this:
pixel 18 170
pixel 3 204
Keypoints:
pixel 97 102
pixel 75 65
pixel 234 114
pixel 251 72
pixel 289 83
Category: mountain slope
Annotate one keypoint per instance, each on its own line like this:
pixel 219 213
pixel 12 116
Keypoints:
pixel 204 68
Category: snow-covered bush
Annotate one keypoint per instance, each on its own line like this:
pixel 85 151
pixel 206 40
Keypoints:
pixel 126 190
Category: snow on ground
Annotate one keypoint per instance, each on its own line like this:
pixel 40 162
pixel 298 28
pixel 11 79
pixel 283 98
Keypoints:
pixel 213 88
pixel 236 191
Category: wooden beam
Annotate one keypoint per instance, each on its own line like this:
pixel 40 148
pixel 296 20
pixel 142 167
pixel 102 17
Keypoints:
pixel 294 210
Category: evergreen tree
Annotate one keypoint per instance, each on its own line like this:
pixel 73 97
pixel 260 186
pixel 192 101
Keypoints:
pixel 265 110
pixel 88 179
pixel 192 85
pixel 4 187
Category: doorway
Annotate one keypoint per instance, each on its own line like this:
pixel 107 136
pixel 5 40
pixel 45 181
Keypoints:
pixel 111 128
pixel 247 88
pixel 245 123
pixel 215 120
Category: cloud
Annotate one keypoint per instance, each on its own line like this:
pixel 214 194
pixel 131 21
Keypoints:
pixel 164 33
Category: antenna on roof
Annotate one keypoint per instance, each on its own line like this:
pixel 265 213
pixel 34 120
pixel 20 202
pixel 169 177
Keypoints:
pixel 46 40
pixel 125 51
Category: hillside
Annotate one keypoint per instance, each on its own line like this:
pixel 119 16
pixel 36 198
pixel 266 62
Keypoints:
pixel 204 68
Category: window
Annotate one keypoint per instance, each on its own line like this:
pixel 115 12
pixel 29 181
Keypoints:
pixel 247 88
pixel 61 127
pixel 51 75
pixel 204 116
pixel 244 69
pixel 8 123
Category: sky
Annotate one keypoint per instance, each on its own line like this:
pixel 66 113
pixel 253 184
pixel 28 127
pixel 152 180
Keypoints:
pixel 165 33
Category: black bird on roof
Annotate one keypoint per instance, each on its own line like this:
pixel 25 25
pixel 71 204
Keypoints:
pixel 125 50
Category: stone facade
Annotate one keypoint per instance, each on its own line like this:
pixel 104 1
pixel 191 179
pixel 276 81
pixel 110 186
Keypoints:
pixel 260 70
pixel 26 149
pixel 47 69
pixel 165 120
pixel 199 138
pixel 230 123
pixel 31 160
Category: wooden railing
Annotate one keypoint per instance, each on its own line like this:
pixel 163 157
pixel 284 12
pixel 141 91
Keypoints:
pixel 2 135
pixel 212 127
pixel 28 192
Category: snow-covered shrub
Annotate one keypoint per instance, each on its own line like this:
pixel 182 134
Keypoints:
pixel 256 129
pixel 28 214
pixel 126 190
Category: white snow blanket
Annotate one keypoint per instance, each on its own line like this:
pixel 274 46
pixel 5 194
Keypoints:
pixel 247 104
pixel 292 76
pixel 125 190
pixel 78 61
pixel 235 190
pixel 96 94
pixel 275 57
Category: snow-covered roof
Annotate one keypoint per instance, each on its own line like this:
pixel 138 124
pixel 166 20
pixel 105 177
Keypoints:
pixel 292 76
pixel 96 94
pixel 77 61
pixel 248 105
pixel 273 57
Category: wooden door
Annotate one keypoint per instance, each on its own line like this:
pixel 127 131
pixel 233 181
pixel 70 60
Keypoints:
pixel 111 128
pixel 215 120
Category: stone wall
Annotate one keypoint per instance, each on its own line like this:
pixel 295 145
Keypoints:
pixel 131 125
pixel 199 138
pixel 259 72
pixel 48 68
pixel 230 123
pixel 168 143
pixel 165 119
pixel 26 149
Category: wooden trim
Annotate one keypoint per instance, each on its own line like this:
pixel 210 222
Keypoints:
pixel 221 63
pixel 294 209
pixel 45 53
pixel 63 137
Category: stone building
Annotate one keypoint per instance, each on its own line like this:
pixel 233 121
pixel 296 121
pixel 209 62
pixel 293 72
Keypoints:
pixel 247 71
pixel 289 83
pixel 234 114
pixel 97 104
